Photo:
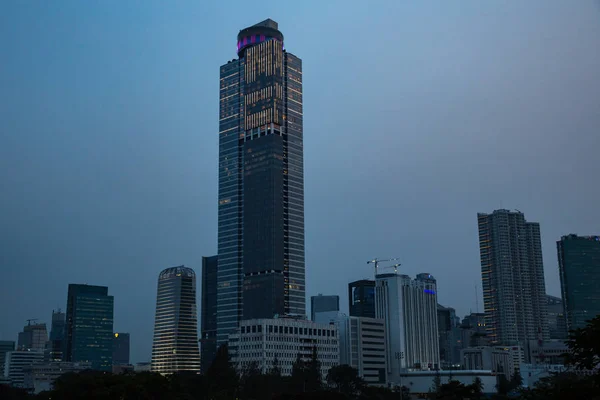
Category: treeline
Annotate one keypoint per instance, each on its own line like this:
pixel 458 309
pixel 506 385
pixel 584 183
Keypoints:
pixel 223 382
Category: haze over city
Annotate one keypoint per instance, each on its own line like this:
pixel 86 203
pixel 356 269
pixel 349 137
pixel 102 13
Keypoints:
pixel 416 117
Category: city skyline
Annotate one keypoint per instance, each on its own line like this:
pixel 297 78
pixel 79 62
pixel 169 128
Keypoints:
pixel 110 155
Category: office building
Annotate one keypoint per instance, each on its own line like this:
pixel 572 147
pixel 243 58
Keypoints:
pixel 557 323
pixel 56 345
pixel 261 182
pixel 260 341
pixel 208 313
pixel 579 269
pixel 120 354
pixel 14 363
pixel 5 347
pixel 512 270
pixel 33 337
pixel 322 303
pixel 40 377
pixel 361 297
pixel 362 346
pixel 409 308
pixel 89 329
pixel 473 331
pixel 175 345
pixel 450 337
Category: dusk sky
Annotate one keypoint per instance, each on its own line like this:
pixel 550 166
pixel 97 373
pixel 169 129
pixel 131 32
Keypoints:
pixel 417 115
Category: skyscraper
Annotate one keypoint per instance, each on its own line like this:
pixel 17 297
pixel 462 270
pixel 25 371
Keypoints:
pixel 512 270
pixel 33 337
pixel 361 298
pixel 409 309
pixel 579 269
pixel 208 314
pixel 322 303
pixel 89 326
pixel 120 355
pixel 175 345
pixel 56 344
pixel 261 181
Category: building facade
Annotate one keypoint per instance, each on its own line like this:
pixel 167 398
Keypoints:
pixel 5 347
pixel 16 361
pixel 261 182
pixel 579 269
pixel 261 341
pixel 512 270
pixel 40 377
pixel 89 327
pixel 175 344
pixel 497 360
pixel 409 309
pixel 120 354
pixel 362 346
pixel 208 314
pixel 56 345
pixel 450 337
pixel 33 337
pixel 361 298
pixel 322 303
pixel 557 324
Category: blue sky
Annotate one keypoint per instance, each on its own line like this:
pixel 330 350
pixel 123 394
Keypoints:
pixel 417 115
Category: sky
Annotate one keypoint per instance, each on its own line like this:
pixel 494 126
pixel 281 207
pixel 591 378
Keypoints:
pixel 417 115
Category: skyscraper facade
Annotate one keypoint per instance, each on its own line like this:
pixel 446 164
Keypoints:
pixel 579 269
pixel 512 270
pixel 56 345
pixel 33 337
pixel 261 181
pixel 409 309
pixel 89 328
pixel 120 355
pixel 361 298
pixel 175 345
pixel 208 314
pixel 322 303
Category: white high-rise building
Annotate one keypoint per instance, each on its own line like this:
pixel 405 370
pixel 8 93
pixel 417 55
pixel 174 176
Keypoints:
pixel 409 309
pixel 263 340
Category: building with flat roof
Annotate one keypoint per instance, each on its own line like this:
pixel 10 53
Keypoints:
pixel 361 298
pixel 16 361
pixel 40 377
pixel 261 341
pixel 208 312
pixel 323 303
pixel 120 355
pixel 5 347
pixel 33 337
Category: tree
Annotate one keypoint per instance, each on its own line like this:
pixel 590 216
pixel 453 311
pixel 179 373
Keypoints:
pixel 275 368
pixel 252 382
pixel 476 389
pixel 298 380
pixel 221 375
pixel 345 379
pixel 314 380
pixel 516 381
pixel 584 346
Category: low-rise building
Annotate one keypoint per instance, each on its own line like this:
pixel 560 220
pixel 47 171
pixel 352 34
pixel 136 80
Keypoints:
pixel 41 376
pixel 261 341
pixel 487 358
pixel 362 346
pixel 547 352
pixel 16 361
pixel 420 383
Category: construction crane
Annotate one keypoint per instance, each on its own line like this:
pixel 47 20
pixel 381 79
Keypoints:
pixel 31 320
pixel 376 262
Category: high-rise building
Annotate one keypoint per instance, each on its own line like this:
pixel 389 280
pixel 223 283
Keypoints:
pixel 579 269
pixel 261 182
pixel 89 329
pixel 175 345
pixel 473 332
pixel 557 324
pixel 409 309
pixel 512 270
pixel 361 298
pixel 322 303
pixel 5 347
pixel 33 337
pixel 120 354
pixel 56 345
pixel 450 337
pixel 208 313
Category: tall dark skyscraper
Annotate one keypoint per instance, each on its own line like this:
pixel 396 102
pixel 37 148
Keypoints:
pixel 56 344
pixel 579 269
pixel 361 298
pixel 208 314
pixel 261 181
pixel 175 344
pixel 89 333
pixel 512 271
